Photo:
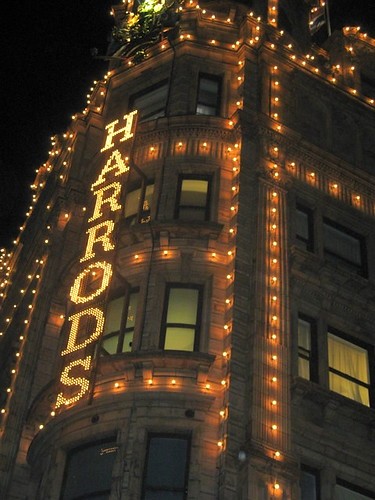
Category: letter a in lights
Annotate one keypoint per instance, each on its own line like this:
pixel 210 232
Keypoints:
pixel 92 282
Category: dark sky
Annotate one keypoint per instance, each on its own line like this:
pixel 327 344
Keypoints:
pixel 47 70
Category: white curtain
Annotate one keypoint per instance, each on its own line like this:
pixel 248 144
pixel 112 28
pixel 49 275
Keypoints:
pixel 352 360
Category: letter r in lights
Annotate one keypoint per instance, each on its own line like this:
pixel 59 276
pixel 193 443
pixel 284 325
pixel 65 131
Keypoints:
pixel 126 130
pixel 105 239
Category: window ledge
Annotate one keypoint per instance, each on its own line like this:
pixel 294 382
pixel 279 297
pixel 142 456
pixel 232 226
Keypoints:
pixel 327 407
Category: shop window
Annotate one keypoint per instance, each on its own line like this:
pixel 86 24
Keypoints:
pixel 151 103
pixel 181 318
pixel 309 483
pixel 209 90
pixel 349 369
pixel 138 204
pixel 347 491
pixel 307 349
pixel 119 324
pixel 166 468
pixel 88 471
pixel 193 198
pixel 304 228
pixel 344 247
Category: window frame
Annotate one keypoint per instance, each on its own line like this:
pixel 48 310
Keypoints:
pixel 312 356
pixel 70 453
pixel 207 208
pixel 160 435
pixel 198 324
pixel 355 488
pixel 306 243
pixel 360 269
pixel 370 361
pixel 126 295
pixel 155 114
pixel 213 78
pixel 316 474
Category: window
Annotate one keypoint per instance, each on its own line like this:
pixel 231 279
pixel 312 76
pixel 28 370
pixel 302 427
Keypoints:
pixel 347 491
pixel 138 204
pixel 307 349
pixel 209 90
pixel 119 324
pixel 151 102
pixel 88 471
pixel 309 483
pixel 304 228
pixel 345 247
pixel 166 469
pixel 349 373
pixel 193 201
pixel 181 318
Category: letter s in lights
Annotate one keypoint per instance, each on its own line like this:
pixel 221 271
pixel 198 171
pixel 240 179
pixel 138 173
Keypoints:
pixel 81 382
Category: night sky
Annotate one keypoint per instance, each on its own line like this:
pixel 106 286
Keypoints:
pixel 47 70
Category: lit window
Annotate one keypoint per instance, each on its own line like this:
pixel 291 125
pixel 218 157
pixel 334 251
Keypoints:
pixel 347 491
pixel 208 101
pixel 181 319
pixel 344 247
pixel 304 228
pixel 151 102
pixel 138 204
pixel 119 324
pixel 349 373
pixel 193 200
pixel 166 469
pixel 307 366
pixel 88 471
pixel 309 483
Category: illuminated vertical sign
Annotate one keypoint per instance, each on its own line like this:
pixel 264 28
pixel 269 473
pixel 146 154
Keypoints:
pixel 89 288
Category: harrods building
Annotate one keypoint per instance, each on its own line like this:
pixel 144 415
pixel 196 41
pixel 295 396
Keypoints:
pixel 188 311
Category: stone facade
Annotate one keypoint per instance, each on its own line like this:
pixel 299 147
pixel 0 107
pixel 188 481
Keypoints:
pixel 288 155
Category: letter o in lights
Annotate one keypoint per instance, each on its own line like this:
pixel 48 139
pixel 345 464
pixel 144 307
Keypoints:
pixel 75 291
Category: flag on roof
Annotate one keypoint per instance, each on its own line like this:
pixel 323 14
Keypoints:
pixel 317 17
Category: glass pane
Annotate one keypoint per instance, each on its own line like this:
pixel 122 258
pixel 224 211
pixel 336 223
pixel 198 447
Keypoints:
pixel 342 244
pixel 304 334
pixel 132 310
pixel 166 464
pixel 182 306
pixel 348 358
pixel 208 91
pixel 206 110
pixel 151 104
pixel 132 202
pixel 192 213
pixel 89 472
pixel 342 493
pixel 308 486
pixel 194 192
pixel 113 315
pixel 302 224
pixel 349 389
pixel 304 368
pixel 179 339
pixel 164 495
pixel 109 345
pixel 148 197
pixel 128 341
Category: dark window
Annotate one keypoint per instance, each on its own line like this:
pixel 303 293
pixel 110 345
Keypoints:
pixel 345 247
pixel 347 491
pixel 307 349
pixel 119 324
pixel 209 90
pixel 309 483
pixel 193 199
pixel 349 368
pixel 88 471
pixel 181 318
pixel 368 86
pixel 138 204
pixel 304 228
pixel 151 102
pixel 166 469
